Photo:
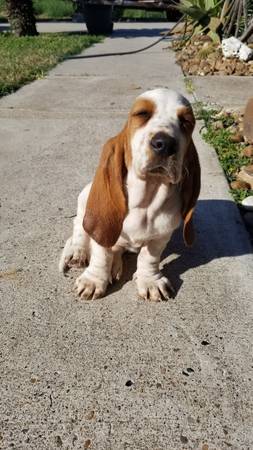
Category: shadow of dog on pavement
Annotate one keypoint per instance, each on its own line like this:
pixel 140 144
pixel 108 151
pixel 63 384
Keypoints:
pixel 220 233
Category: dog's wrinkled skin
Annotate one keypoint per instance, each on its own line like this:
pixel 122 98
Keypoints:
pixel 146 184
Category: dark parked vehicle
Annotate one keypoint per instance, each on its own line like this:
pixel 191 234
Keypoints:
pixel 98 14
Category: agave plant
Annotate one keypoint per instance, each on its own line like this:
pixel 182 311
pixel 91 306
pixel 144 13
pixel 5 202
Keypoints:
pixel 198 9
pixel 205 16
pixel 220 18
pixel 239 20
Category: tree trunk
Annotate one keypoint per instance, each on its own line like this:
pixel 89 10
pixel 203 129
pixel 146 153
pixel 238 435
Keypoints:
pixel 21 17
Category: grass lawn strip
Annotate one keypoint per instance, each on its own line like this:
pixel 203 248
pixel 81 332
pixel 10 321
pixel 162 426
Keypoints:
pixel 46 9
pixel 229 153
pixel 136 14
pixel 24 59
pixel 64 9
pixel 54 9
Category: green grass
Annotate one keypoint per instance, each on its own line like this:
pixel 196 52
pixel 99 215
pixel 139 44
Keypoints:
pixel 140 14
pixel 2 10
pixel 53 9
pixel 189 86
pixel 47 9
pixel 229 153
pixel 24 59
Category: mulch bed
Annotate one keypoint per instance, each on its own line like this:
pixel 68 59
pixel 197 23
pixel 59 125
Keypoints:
pixel 201 56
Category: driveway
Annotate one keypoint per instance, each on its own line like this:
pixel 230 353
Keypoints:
pixel 116 373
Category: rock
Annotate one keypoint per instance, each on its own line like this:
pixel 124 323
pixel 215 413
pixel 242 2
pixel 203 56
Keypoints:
pixel 202 63
pixel 248 217
pixel 193 70
pixel 248 169
pixel 205 70
pixel 230 68
pixel 241 68
pixel 222 113
pixel 204 38
pixel 218 125
pixel 206 45
pixel 239 184
pixel 236 138
pixel 247 203
pixel 233 47
pixel 230 47
pixel 217 65
pixel 212 58
pixel 233 129
pixel 247 151
pixel 246 174
pixel 245 53
pixel 248 121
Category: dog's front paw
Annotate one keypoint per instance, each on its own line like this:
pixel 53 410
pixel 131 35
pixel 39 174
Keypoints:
pixel 90 289
pixel 72 256
pixel 153 289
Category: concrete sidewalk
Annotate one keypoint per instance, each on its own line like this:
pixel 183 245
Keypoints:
pixel 117 373
pixel 54 27
pixel 227 91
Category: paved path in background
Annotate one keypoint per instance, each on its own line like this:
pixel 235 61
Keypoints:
pixel 114 374
pixel 54 27
pixel 227 91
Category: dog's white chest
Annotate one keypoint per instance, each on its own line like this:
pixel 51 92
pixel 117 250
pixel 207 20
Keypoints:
pixel 154 210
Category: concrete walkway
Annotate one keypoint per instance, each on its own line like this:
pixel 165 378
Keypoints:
pixel 114 374
pixel 54 27
pixel 227 91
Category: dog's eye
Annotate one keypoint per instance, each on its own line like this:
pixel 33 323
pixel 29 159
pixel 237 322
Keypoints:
pixel 187 120
pixel 186 125
pixel 143 113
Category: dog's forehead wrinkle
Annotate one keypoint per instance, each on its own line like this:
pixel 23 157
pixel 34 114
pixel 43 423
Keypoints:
pixel 166 100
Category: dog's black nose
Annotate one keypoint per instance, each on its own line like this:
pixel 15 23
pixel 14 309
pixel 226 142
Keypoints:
pixel 163 144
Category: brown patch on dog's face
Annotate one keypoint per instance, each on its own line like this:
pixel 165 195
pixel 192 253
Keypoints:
pixel 187 120
pixel 140 114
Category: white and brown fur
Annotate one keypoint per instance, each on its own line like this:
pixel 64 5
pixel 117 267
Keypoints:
pixel 137 199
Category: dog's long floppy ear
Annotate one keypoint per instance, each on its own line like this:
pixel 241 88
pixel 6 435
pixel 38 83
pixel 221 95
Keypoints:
pixel 190 185
pixel 106 205
pixel 190 189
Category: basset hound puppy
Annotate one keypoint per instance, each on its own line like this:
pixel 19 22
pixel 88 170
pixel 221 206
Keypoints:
pixel 147 183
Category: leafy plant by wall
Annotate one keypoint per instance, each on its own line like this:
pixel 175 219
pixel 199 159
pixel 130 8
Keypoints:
pixel 220 18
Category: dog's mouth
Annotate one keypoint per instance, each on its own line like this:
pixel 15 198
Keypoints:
pixel 158 170
pixel 171 173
